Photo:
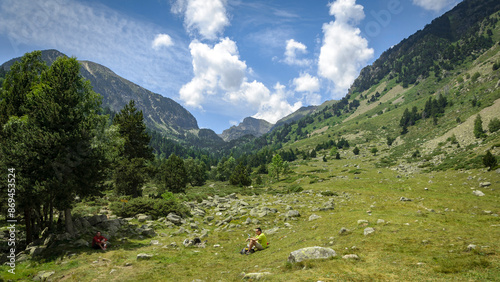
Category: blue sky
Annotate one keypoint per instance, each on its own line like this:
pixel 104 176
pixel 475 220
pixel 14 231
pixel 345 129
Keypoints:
pixel 223 60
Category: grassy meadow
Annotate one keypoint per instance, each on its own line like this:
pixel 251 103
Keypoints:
pixel 426 238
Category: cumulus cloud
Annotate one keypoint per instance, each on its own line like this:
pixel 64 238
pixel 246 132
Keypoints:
pixel 221 77
pixel 292 48
pixel 217 68
pixel 309 85
pixel 208 17
pixel 306 83
pixel 276 106
pixel 344 51
pixel 162 40
pixel 434 5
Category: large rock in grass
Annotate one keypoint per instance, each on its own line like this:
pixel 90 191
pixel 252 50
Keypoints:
pixel 478 193
pixel 175 219
pixel 311 253
pixel 144 256
pixel 292 213
pixel 43 275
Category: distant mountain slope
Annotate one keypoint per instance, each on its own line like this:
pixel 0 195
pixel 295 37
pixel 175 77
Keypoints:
pixel 249 126
pixel 160 113
pixel 445 42
pixel 295 116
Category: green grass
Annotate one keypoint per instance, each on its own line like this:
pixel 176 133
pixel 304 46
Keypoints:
pixel 424 239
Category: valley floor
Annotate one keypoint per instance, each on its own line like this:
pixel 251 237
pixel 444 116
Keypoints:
pixel 428 226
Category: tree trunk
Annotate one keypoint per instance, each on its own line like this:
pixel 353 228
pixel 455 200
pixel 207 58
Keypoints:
pixel 51 217
pixel 27 221
pixel 69 221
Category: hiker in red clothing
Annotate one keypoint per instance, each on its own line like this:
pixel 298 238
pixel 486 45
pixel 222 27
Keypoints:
pixel 99 241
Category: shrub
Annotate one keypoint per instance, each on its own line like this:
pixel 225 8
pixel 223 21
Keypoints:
pixel 494 125
pixel 295 188
pixel 329 193
pixel 478 127
pixel 489 160
pixel 153 207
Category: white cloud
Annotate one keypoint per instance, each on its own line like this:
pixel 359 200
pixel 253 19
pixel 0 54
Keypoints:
pixel 276 106
pixel 292 48
pixel 220 77
pixel 208 17
pixel 344 51
pixel 434 5
pixel 309 85
pixel 97 33
pixel 215 69
pixel 162 40
pixel 306 83
pixel 347 11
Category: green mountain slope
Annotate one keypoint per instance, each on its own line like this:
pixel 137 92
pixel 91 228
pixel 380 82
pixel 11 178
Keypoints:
pixel 455 64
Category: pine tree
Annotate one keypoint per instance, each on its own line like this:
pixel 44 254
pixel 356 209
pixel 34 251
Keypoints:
pixel 174 175
pixel 131 172
pixel 50 133
pixel 489 160
pixel 478 127
pixel 240 176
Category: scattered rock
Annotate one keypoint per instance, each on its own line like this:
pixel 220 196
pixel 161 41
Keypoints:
pixel 292 213
pixel 404 199
pixel 144 256
pixel 143 217
pixel 484 184
pixel 43 275
pixel 343 231
pixel 380 221
pixel 175 219
pixel 255 276
pixel 368 231
pixel 351 256
pixel 81 243
pixel 310 253
pixel 471 247
pixel 272 230
pixel 314 217
pixel 478 193
pixel 363 221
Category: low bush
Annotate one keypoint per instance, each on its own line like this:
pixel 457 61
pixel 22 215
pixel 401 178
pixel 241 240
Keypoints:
pixel 153 207
pixel 295 188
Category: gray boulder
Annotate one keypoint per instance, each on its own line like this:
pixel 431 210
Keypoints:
pixel 175 219
pixel 96 219
pixel 310 253
pixel 368 231
pixel 256 275
pixel 314 217
pixel 351 256
pixel 292 213
pixel 478 193
pixel 43 275
pixel 144 256
pixel 149 232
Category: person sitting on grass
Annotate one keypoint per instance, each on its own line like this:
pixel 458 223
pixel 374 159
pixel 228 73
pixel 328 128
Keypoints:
pixel 99 241
pixel 259 242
